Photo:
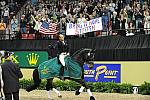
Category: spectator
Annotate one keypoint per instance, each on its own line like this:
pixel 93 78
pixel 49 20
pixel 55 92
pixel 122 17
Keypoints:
pixel 98 11
pixel 2 29
pixel 62 26
pixel 23 23
pixel 130 28
pixel 105 17
pixel 14 26
pixel 11 74
pixel 147 21
pixel 31 26
pixel 6 15
pixel 81 19
pixel 138 15
pixel 111 6
pixel 115 23
pixel 34 2
pixel 123 22
pixel 37 26
pixel 71 10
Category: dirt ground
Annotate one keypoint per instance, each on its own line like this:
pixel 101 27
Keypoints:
pixel 69 95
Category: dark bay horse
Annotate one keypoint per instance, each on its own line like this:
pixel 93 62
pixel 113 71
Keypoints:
pixel 82 56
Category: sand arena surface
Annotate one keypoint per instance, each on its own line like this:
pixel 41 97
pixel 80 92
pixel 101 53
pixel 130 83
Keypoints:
pixel 69 95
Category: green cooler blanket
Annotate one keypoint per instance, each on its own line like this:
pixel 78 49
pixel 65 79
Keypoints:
pixel 51 68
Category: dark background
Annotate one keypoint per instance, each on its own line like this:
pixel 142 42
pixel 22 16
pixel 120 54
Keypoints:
pixel 110 48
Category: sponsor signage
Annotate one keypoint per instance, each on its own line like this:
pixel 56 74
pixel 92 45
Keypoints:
pixel 29 58
pixel 81 28
pixel 103 73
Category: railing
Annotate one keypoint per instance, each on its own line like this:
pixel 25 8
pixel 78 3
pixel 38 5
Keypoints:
pixel 123 32
pixel 132 31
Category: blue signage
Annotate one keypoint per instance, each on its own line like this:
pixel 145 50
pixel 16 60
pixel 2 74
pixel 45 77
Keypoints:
pixel 103 73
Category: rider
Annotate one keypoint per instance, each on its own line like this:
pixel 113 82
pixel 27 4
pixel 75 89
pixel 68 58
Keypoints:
pixel 63 51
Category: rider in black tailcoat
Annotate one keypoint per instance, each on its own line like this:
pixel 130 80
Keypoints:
pixel 63 51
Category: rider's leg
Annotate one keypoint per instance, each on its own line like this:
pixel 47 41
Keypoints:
pixel 62 72
pixel 62 61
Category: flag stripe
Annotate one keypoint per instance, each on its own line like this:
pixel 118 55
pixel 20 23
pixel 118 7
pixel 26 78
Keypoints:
pixel 52 29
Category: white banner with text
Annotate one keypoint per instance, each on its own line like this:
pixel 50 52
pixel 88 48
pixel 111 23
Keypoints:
pixel 88 26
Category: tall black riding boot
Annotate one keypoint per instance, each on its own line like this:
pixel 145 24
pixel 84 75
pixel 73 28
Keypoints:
pixel 62 73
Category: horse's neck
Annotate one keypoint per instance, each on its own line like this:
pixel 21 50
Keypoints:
pixel 79 58
pixel 80 52
pixel 79 55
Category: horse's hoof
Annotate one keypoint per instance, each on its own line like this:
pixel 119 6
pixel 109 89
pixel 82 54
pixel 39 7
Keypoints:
pixel 28 89
pixel 60 96
pixel 50 99
pixel 77 92
pixel 92 98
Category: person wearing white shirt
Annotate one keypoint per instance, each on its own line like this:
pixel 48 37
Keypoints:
pixel 14 25
pixel 6 15
pixel 81 19
pixel 37 26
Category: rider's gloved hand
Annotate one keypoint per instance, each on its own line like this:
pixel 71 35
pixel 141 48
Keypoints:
pixel 68 53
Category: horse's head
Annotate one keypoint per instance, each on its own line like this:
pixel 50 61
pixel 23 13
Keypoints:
pixel 85 55
pixel 89 58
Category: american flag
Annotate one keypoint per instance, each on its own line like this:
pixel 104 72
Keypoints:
pixel 48 28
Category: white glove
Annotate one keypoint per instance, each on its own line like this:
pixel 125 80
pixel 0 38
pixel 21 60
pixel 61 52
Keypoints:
pixel 68 53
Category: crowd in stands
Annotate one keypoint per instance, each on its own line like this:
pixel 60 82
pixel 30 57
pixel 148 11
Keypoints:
pixel 119 17
pixel 8 8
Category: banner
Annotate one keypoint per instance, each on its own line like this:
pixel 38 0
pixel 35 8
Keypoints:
pixel 88 26
pixel 103 73
pixel 29 59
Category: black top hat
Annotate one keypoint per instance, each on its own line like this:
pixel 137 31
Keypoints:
pixel 7 54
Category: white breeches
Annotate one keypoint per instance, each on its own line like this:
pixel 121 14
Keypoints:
pixel 62 58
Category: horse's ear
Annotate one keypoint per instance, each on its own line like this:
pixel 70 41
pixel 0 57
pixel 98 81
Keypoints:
pixel 93 50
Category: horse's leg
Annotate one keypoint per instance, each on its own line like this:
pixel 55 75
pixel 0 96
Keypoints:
pixel 36 80
pixel 49 88
pixel 83 83
pixel 58 93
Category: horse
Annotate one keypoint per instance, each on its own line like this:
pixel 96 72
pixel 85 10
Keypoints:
pixel 80 57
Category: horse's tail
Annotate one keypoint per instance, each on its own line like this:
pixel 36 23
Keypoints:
pixel 36 80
